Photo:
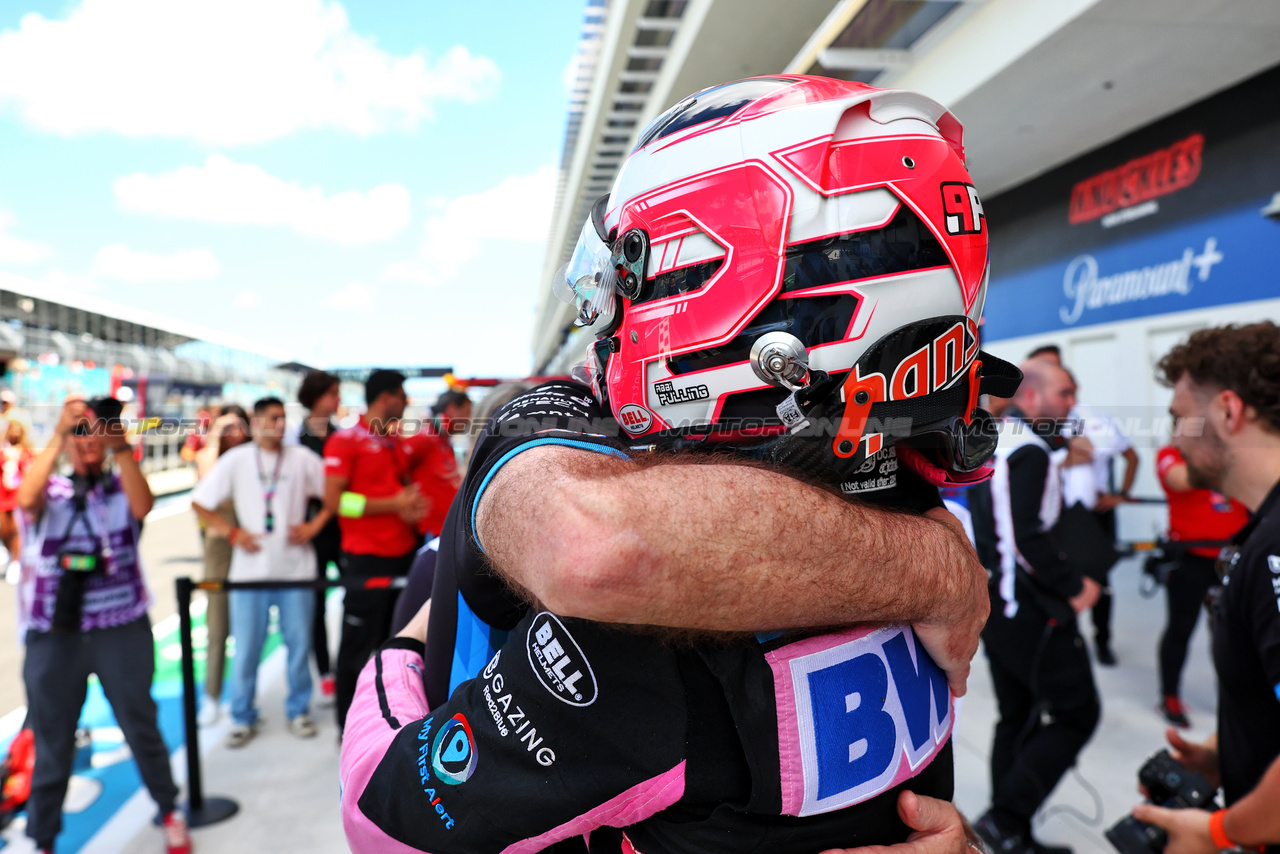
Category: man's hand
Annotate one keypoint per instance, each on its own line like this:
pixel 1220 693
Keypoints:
pixel 937 826
pixel 953 643
pixel 1079 451
pixel 410 504
pixel 73 413
pixel 1188 829
pixel 248 542
pixel 1108 502
pixel 1200 757
pixel 1087 597
pixel 304 533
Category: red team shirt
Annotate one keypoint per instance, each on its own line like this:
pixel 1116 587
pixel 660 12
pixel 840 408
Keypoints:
pixel 1198 514
pixel 376 467
pixel 434 468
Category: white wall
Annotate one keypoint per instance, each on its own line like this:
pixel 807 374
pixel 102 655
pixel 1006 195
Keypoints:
pixel 1114 364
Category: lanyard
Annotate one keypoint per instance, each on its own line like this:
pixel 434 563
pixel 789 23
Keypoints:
pixel 83 502
pixel 269 523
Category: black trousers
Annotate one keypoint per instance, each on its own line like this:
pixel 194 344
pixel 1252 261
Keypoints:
pixel 1048 706
pixel 366 621
pixel 56 671
pixel 1101 613
pixel 326 550
pixel 1185 590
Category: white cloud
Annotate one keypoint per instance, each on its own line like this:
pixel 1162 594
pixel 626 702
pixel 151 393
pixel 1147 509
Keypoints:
pixel 225 72
pixel 354 297
pixel 74 281
pixel 247 299
pixel 516 213
pixel 17 250
pixel 118 261
pixel 243 194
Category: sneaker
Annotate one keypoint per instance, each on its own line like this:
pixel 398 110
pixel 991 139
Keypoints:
pixel 241 734
pixel 302 726
pixel 1105 656
pixel 1000 840
pixel 176 838
pixel 210 711
pixel 1174 712
pixel 328 690
pixel 13 573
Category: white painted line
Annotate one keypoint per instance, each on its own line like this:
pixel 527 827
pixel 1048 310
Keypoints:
pixel 171 507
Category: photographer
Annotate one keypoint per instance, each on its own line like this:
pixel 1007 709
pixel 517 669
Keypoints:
pixel 83 604
pixel 1226 399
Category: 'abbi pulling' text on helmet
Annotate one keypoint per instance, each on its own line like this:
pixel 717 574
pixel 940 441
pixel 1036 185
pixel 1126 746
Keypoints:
pixel 799 262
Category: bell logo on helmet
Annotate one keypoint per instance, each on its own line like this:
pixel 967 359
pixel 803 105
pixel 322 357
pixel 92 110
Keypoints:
pixel 635 419
pixel 962 208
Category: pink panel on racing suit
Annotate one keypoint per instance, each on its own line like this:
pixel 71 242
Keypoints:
pixel 859 712
pixel 365 741
pixel 637 803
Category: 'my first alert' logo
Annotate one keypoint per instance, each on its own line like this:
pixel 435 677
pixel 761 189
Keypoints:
pixel 451 755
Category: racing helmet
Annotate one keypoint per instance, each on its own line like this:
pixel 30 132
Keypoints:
pixel 780 246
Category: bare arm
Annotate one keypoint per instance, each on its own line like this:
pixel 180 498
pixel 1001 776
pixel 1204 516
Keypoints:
pixel 720 546
pixel 408 499
pixel 134 482
pixel 1254 820
pixel 1130 470
pixel 36 477
pixel 212 520
pixel 1175 478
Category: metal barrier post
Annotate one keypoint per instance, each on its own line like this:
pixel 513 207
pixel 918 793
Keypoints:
pixel 200 811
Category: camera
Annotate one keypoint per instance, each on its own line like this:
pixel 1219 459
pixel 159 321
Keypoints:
pixel 1169 784
pixel 68 603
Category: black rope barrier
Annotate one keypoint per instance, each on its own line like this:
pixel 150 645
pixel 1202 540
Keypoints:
pixel 201 810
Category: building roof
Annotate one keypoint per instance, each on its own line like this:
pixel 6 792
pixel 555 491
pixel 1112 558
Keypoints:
pixel 92 303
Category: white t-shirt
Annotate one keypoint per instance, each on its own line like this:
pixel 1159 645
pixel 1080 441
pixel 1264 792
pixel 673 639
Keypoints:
pixel 244 475
pixel 1082 483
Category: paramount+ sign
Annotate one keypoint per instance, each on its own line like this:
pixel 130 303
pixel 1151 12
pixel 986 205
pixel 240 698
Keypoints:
pixel 1140 180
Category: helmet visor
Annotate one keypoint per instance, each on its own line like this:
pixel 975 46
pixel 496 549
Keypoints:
pixel 589 280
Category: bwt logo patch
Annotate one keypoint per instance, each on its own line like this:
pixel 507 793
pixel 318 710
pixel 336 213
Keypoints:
pixel 669 394
pixel 962 208
pixel 871 713
pixel 559 663
pixel 453 755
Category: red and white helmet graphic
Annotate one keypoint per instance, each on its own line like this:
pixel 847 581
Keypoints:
pixel 775 226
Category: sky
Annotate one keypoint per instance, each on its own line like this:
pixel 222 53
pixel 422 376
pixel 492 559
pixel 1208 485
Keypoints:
pixel 359 183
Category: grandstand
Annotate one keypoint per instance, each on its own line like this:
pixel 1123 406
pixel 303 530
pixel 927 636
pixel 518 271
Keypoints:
pixel 56 341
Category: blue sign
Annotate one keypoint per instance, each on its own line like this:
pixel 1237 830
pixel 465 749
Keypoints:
pixel 1224 259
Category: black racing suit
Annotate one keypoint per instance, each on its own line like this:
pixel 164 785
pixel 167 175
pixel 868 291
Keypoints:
pixel 797 742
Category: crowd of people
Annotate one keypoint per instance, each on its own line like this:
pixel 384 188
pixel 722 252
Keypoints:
pixel 284 504
pixel 705 593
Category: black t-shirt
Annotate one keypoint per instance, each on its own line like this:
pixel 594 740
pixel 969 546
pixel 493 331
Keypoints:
pixel 795 742
pixel 1246 653
pixel 330 537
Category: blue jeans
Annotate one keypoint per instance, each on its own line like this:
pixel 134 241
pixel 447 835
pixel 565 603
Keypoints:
pixel 249 612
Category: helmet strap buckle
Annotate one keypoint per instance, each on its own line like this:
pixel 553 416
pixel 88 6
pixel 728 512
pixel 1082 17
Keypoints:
pixel 859 396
